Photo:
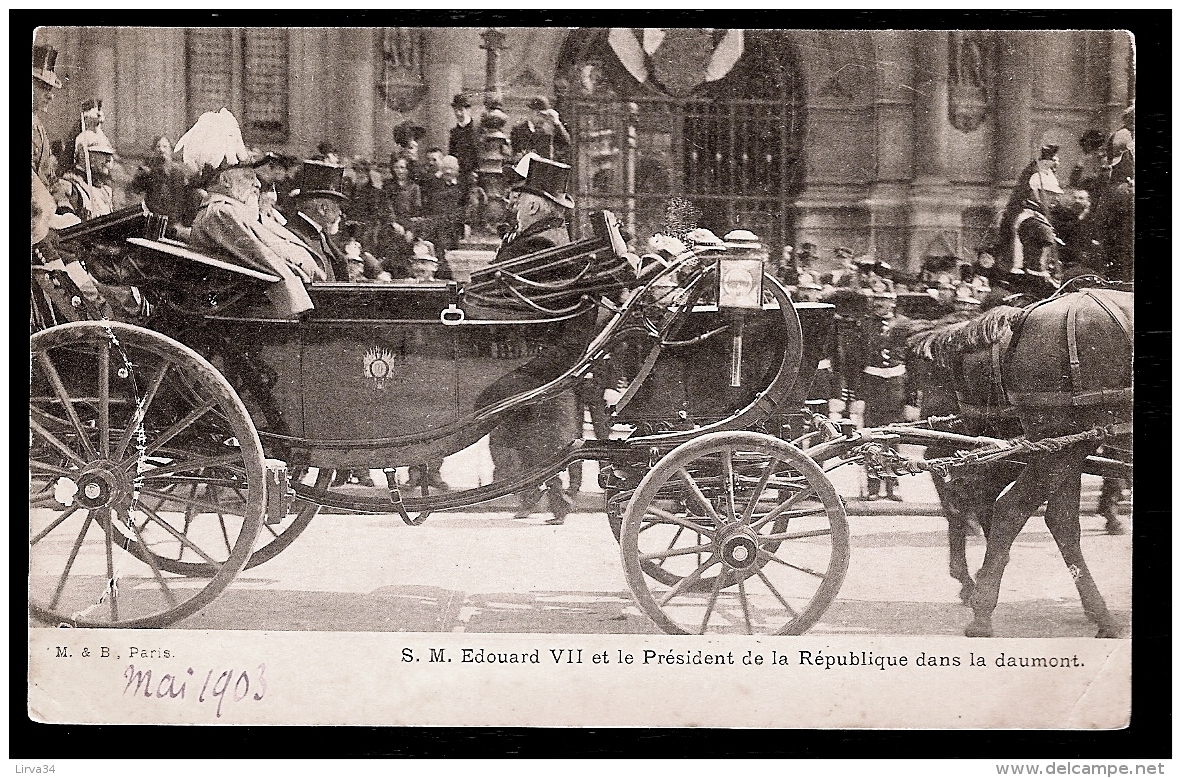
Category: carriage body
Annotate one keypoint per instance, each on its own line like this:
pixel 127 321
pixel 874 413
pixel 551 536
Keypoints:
pixel 200 417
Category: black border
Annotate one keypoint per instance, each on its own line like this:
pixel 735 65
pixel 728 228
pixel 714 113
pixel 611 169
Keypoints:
pixel 1148 736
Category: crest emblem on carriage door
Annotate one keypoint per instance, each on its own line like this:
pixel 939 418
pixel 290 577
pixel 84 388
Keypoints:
pixel 379 365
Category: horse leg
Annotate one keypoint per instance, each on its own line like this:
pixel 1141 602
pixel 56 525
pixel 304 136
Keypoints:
pixel 1062 519
pixel 1109 497
pixel 957 532
pixel 957 548
pixel 1009 514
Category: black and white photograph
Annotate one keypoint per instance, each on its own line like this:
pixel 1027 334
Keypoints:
pixel 635 361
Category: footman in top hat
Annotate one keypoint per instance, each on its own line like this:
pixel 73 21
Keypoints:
pixel 528 437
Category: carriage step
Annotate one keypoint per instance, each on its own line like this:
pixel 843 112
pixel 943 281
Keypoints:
pixel 280 495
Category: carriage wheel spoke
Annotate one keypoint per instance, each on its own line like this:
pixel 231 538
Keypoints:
pixel 678 552
pixel 53 441
pixel 190 464
pixel 112 588
pixel 186 501
pixel 750 630
pixel 674 519
pixel 42 500
pixel 813 533
pixel 150 558
pixel 184 541
pixel 699 496
pixel 713 599
pixel 772 558
pixel 221 521
pixel 783 508
pixel 141 411
pixel 758 492
pixel 180 426
pixel 688 580
pixel 45 467
pixel 728 477
pixel 673 542
pixel 60 389
pixel 188 521
pixel 53 525
pixel 104 400
pixel 61 582
pixel 767 581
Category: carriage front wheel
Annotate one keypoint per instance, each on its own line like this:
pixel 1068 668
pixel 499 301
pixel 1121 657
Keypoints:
pixel 735 532
pixel 142 460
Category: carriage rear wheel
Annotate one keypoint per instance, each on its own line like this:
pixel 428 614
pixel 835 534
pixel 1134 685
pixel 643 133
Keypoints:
pixel 735 532
pixel 142 461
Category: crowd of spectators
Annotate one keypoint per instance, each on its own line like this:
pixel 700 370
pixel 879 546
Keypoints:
pixel 403 213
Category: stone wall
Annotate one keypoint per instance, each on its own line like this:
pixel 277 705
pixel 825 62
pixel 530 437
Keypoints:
pixel 886 170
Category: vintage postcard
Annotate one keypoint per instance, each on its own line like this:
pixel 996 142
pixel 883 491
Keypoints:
pixel 581 376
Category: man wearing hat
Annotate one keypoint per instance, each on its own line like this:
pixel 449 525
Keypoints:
pixel 541 133
pixel 319 197
pixel 229 221
pixel 883 380
pixel 464 143
pixel 87 188
pixel 529 436
pixel 1037 187
pixel 59 276
pixel 540 210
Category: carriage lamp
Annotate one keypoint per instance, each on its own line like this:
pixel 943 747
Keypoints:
pixel 740 289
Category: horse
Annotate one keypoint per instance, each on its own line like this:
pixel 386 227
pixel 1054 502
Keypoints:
pixel 954 373
pixel 1065 366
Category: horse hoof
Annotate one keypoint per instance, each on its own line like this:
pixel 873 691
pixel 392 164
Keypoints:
pixel 1108 631
pixel 966 594
pixel 978 630
pixel 1115 527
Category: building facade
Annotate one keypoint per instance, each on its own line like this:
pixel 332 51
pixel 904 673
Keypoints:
pixel 900 143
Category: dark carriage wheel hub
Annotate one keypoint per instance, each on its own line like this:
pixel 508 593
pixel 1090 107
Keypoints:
pixel 739 548
pixel 101 484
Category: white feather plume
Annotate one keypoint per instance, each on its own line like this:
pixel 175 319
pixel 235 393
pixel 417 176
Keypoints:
pixel 215 140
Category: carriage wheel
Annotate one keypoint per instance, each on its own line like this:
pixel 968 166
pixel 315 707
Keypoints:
pixel 135 445
pixel 271 539
pixel 735 532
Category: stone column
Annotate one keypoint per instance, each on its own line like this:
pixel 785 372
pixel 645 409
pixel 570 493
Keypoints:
pixel 99 66
pixel 936 207
pixel 443 52
pixel 1014 96
pixel 358 98
pixel 931 123
pixel 1120 52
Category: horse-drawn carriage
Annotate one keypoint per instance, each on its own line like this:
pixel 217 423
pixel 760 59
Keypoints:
pixel 165 459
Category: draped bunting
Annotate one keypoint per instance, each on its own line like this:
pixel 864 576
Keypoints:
pixel 636 49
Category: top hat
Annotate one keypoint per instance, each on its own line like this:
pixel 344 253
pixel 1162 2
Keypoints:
pixel 44 61
pixel 1049 151
pixel 461 101
pixel 548 179
pixel 320 179
pixel 515 175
